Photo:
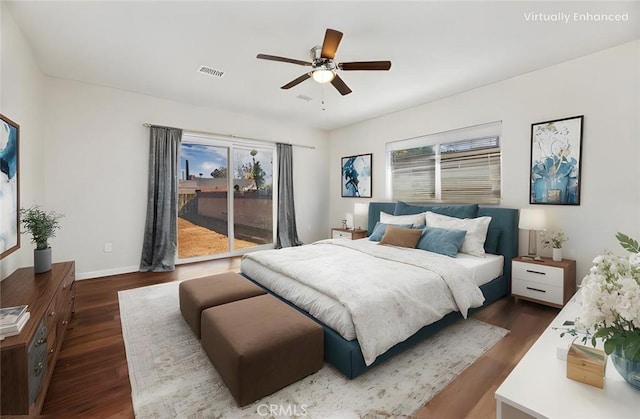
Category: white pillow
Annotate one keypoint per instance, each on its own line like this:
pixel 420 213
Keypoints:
pixel 476 229
pixel 415 219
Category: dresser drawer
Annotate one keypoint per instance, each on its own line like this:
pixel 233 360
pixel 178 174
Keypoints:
pixel 533 272
pixel 37 361
pixel 337 234
pixel 537 291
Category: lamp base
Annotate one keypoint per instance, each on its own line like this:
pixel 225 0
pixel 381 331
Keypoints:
pixel 533 244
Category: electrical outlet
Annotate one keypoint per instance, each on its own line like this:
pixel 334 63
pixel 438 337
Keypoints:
pixel 108 247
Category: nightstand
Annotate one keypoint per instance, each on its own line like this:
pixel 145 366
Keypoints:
pixel 545 282
pixel 341 233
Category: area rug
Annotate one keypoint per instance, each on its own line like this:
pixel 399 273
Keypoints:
pixel 171 375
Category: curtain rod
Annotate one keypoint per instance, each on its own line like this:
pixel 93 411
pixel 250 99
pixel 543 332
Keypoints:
pixel 148 125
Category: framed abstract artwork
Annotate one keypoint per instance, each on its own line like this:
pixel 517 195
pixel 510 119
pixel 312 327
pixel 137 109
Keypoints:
pixel 9 186
pixel 556 147
pixel 356 176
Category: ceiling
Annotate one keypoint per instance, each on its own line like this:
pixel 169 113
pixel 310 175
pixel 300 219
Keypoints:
pixel 437 49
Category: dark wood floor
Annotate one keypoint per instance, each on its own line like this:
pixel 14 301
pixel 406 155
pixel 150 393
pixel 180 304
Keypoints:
pixel 91 376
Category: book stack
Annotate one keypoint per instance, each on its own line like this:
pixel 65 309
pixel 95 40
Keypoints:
pixel 12 320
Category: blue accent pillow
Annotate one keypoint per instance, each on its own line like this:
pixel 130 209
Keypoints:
pixel 493 240
pixel 441 240
pixel 458 211
pixel 381 228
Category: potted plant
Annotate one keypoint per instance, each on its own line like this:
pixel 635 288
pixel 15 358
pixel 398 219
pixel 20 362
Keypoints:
pixel 42 225
pixel 555 240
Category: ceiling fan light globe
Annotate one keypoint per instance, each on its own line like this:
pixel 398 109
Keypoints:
pixel 323 76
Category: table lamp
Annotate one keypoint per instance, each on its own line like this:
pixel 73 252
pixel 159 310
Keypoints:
pixel 361 215
pixel 532 220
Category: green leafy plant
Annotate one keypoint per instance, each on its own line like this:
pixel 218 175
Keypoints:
pixel 41 224
pixel 554 239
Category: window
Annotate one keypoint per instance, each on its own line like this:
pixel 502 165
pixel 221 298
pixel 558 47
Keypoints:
pixel 225 197
pixel 460 166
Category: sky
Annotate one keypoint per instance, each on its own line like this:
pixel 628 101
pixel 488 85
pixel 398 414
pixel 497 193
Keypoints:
pixel 206 158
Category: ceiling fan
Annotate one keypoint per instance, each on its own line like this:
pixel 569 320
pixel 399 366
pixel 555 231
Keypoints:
pixel 323 67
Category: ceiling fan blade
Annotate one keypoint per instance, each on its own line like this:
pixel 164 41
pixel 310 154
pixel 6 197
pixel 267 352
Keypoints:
pixel 330 44
pixel 340 85
pixel 282 59
pixel 296 81
pixel 365 65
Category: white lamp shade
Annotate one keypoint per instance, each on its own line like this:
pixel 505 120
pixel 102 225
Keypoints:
pixel 532 219
pixel 361 215
pixel 349 217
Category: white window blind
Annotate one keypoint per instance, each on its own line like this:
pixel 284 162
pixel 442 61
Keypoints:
pixel 460 166
pixel 413 174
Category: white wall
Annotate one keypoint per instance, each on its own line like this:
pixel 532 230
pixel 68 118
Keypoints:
pixel 604 87
pixel 21 85
pixel 84 151
pixel 97 160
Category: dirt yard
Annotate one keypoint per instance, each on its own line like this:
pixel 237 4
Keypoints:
pixel 194 240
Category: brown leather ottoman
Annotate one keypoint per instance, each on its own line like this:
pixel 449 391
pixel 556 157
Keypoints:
pixel 260 345
pixel 201 293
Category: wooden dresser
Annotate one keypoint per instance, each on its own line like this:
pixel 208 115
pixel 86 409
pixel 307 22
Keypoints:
pixel 27 360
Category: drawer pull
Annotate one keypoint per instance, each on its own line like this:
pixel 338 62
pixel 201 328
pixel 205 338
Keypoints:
pixel 536 272
pixel 38 368
pixel 41 341
pixel 65 322
pixel 536 289
pixel 53 313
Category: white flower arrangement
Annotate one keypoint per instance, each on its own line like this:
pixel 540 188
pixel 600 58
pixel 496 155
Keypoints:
pixel 554 239
pixel 611 301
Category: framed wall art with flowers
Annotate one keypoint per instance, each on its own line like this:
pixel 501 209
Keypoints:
pixel 556 147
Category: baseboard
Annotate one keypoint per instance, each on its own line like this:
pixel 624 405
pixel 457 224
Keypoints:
pixel 107 272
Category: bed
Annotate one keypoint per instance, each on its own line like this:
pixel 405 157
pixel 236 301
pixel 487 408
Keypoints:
pixel 354 356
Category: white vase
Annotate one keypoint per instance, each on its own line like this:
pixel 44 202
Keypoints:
pixel 557 255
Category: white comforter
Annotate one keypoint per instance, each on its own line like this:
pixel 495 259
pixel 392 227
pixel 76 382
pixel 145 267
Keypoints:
pixel 390 292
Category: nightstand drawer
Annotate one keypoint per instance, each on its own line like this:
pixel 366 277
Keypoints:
pixel 538 273
pixel 537 290
pixel 341 233
pixel 337 234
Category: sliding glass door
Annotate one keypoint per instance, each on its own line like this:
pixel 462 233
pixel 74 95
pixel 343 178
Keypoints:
pixel 225 198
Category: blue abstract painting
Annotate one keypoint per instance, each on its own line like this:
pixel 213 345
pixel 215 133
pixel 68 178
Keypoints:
pixel 9 192
pixel 555 161
pixel 356 176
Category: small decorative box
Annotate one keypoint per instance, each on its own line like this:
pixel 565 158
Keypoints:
pixel 586 365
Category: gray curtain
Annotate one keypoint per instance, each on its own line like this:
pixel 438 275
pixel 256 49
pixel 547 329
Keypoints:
pixel 160 231
pixel 287 234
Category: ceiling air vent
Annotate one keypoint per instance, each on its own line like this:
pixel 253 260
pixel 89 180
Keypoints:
pixel 210 71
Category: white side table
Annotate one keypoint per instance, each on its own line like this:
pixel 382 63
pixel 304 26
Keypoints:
pixel 342 233
pixel 545 281
pixel 538 386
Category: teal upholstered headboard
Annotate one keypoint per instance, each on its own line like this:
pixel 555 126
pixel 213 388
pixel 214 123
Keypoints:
pixel 504 221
